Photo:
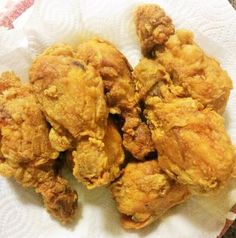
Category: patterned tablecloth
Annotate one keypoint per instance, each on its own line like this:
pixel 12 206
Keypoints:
pixel 12 9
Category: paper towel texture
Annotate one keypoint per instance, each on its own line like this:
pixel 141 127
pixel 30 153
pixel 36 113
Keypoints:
pixel 72 21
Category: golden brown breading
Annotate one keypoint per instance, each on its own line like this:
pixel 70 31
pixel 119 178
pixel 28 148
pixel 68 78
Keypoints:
pixel 151 79
pixel 153 27
pixel 234 169
pixel 201 76
pixel 72 98
pixel 70 93
pixel 26 153
pixel 97 162
pixel 144 193
pixel 120 93
pixel 192 142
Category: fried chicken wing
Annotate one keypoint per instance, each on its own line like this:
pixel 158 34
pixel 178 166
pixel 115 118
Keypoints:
pixel 191 141
pixel 120 93
pixel 26 152
pixel 72 98
pixel 201 76
pixel 144 193
pixel 153 27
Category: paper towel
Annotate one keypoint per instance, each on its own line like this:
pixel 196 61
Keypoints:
pixel 72 21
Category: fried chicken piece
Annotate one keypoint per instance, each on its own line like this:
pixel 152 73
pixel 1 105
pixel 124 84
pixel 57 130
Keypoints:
pixel 120 93
pixel 151 79
pixel 201 76
pixel 97 162
pixel 26 153
pixel 71 95
pixel 72 98
pixel 153 27
pixel 181 87
pixel 191 141
pixel 144 193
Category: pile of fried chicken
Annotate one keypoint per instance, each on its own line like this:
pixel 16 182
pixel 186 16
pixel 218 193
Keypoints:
pixel 154 134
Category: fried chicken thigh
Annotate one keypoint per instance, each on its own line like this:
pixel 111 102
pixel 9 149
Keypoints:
pixel 72 98
pixel 144 193
pixel 192 142
pixel 120 93
pixel 26 152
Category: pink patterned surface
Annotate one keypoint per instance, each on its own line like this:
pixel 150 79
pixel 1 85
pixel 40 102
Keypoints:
pixel 13 9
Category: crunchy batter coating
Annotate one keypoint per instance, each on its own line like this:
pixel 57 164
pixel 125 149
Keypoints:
pixel 144 193
pixel 201 76
pixel 70 93
pixel 192 142
pixel 72 98
pixel 120 93
pixel 151 79
pixel 153 27
pixel 26 153
pixel 181 87
pixel 97 162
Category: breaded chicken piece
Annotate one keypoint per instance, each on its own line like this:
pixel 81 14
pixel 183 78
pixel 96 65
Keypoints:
pixel 98 161
pixel 191 141
pixel 144 193
pixel 181 87
pixel 26 152
pixel 151 79
pixel 153 27
pixel 72 98
pixel 201 76
pixel 120 93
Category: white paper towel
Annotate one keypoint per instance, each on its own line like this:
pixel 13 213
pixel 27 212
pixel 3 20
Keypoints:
pixel 72 21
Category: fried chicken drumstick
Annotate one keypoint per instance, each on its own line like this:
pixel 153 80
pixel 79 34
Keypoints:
pixel 72 98
pixel 192 143
pixel 200 76
pixel 26 152
pixel 120 93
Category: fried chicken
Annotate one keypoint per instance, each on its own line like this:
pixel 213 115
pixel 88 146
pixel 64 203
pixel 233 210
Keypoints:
pixel 191 141
pixel 153 27
pixel 151 79
pixel 97 162
pixel 72 98
pixel 26 153
pixel 120 93
pixel 183 89
pixel 144 193
pixel 201 76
